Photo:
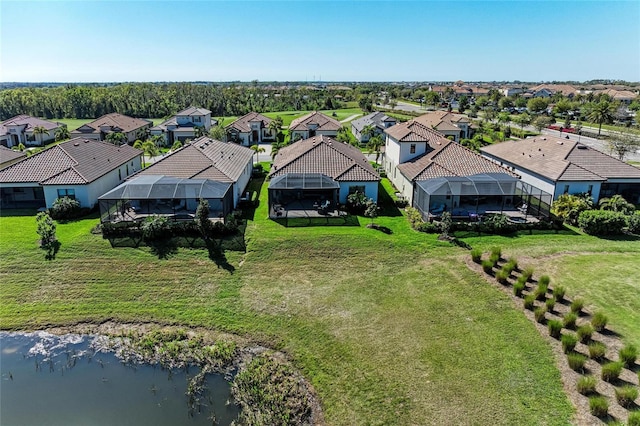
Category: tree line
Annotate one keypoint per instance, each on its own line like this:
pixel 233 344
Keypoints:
pixel 152 100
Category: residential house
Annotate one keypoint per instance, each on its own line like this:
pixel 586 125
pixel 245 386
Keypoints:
pixel 100 128
pixel 313 124
pixel 9 156
pixel 210 159
pixel 184 125
pixel 456 126
pixel 561 166
pixel 320 168
pixel 80 168
pixel 435 174
pixel 548 90
pixel 624 96
pixel 378 120
pixel 20 130
pixel 250 129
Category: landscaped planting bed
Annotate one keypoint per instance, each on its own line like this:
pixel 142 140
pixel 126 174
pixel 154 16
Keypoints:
pixel 600 374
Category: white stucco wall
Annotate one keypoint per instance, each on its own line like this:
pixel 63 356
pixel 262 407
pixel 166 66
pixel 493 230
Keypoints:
pixel 241 184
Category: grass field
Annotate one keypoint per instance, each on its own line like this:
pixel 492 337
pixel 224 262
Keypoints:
pixel 390 329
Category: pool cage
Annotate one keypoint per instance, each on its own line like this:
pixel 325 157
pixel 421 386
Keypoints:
pixel 302 191
pixel 168 196
pixel 471 197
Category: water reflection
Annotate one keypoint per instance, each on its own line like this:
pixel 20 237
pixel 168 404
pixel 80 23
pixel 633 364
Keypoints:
pixel 62 380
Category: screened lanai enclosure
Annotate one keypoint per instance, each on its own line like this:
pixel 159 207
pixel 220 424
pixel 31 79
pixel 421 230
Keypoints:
pixel 173 197
pixel 303 195
pixel 471 197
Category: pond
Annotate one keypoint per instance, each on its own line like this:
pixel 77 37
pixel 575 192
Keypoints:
pixel 64 380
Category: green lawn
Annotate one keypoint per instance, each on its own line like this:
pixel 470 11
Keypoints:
pixel 390 329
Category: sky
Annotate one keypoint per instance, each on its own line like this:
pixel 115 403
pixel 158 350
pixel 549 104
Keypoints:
pixel 112 41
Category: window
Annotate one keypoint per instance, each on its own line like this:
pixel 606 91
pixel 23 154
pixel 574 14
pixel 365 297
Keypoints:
pixel 412 148
pixel 566 189
pixel 197 119
pixel 357 188
pixel 590 190
pixel 71 193
pixel 119 174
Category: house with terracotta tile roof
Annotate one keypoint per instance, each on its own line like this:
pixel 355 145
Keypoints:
pixel 20 130
pixel 547 90
pixel 184 125
pixel 250 129
pixel 210 159
pixel 313 124
pixel 561 166
pixel 456 126
pixel 80 168
pixel 9 156
pixel 435 174
pixel 100 128
pixel 378 120
pixel 319 169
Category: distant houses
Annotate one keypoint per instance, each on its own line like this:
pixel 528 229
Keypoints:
pixel 451 125
pixel 27 130
pixel 100 128
pixel 378 121
pixel 313 124
pixel 80 168
pixel 189 123
pixel 561 166
pixel 250 129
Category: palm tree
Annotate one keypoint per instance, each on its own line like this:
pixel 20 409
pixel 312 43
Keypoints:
pixel 116 138
pixel 369 130
pixel 40 130
pixel 374 145
pixel 62 133
pixel 274 127
pixel 523 120
pixel 148 148
pixel 217 133
pixel 617 203
pixel 257 149
pixel 600 113
pixel 199 131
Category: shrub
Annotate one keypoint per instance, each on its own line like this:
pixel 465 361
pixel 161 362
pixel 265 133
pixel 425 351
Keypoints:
pixel 559 292
pixel 550 304
pixel 541 291
pixel 539 312
pixel 584 333
pixel 414 217
pixel 544 280
pixel 576 361
pixel 428 227
pixel 634 419
pixel 611 371
pixel 597 350
pixel 518 288
pixel 512 264
pixel 527 273
pixel 598 406
pixel 599 321
pixel 494 258
pixel 569 342
pixel 357 203
pixel 65 208
pixel 628 355
pixel 633 223
pixel 626 395
pixel 502 276
pixel 497 252
pixel 569 320
pixel 496 224
pixel 577 305
pixel 602 222
pixel 476 255
pixel 155 227
pixel 487 266
pixel 555 328
pixel 586 385
pixel 529 302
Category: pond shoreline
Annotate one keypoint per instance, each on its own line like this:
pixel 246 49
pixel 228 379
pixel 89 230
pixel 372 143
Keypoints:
pixel 213 352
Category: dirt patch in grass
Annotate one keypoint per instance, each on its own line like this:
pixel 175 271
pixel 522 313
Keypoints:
pixel 569 376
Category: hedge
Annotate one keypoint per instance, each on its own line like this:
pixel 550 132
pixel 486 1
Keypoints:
pixel 602 222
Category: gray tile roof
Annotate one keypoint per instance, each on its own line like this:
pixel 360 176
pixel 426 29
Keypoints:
pixel 28 121
pixel 325 155
pixel 77 161
pixel 242 123
pixel 204 158
pixel 376 119
pixel 324 122
pixel 115 121
pixel 9 155
pixel 561 160
pixel 449 159
pixel 194 111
